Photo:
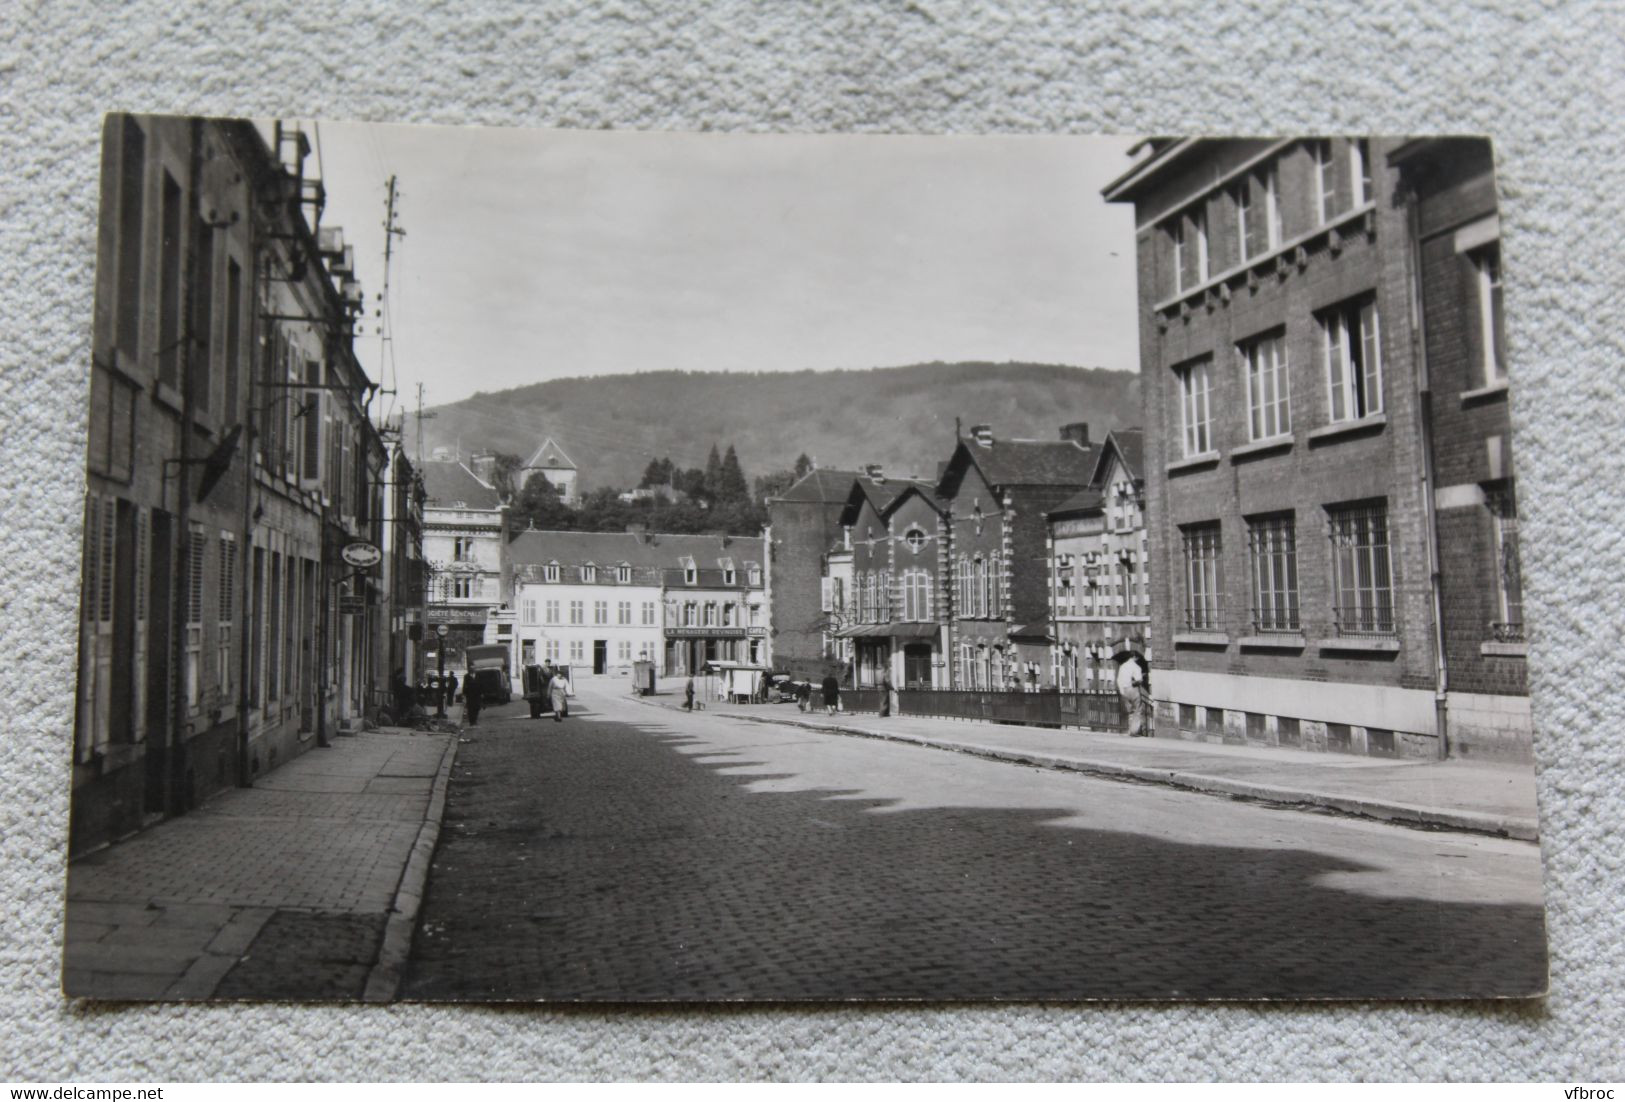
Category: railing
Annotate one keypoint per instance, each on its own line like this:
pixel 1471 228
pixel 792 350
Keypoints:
pixel 1101 711
pixel 1504 632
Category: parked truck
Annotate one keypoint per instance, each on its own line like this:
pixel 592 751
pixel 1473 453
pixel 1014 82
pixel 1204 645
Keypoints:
pixel 488 663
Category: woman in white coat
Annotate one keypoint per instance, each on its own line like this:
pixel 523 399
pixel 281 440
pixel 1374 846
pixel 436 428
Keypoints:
pixel 558 696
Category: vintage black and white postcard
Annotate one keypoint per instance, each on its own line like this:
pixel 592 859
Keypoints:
pixel 539 565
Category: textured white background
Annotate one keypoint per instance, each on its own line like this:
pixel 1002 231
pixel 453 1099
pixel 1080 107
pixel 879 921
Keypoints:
pixel 1544 79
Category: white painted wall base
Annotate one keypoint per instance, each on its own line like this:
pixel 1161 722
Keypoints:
pixel 1381 706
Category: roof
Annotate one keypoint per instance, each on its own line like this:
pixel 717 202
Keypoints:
pixel 1021 463
pixel 926 490
pixel 825 485
pixel 1084 501
pixel 640 550
pixel 1129 446
pixel 881 495
pixel 894 629
pixel 448 484
pixel 549 455
pixel 1038 629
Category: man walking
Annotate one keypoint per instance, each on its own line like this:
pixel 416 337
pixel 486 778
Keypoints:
pixel 832 693
pixel 473 698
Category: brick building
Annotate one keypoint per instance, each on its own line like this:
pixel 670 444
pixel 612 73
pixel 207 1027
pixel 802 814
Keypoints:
pixel 1287 446
pixel 804 526
pixel 893 533
pixel 1100 578
pixel 1449 187
pixel 994 565
pixel 231 461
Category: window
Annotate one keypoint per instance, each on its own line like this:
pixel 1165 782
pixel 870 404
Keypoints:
pixel 589 574
pixel 1491 322
pixel 465 587
pixel 200 355
pixel 1195 408
pixel 710 614
pixel 1353 360
pixel 462 549
pixel 131 199
pixel 1508 575
pixel 1268 405
pixel 1272 545
pixel 551 650
pixel 623 612
pixel 916 595
pixel 915 539
pixel 648 613
pixel 234 336
pixel 1201 543
pixel 1258 213
pixel 690 610
pixel 691 574
pixel 623 573
pixel 727 615
pixel 623 651
pixel 1325 181
pixel 577 650
pixel 754 574
pixel 169 286
pixel 1362 578
pixel 578 614
pixel 728 574
pixel 527 610
pixel 1360 171
pixel 551 610
pixel 197 551
pixel 551 572
pixel 992 598
pixel 1189 232
pixel 273 631
pixel 228 605
pixel 600 612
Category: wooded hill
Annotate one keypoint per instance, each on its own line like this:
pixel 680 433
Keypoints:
pixel 901 417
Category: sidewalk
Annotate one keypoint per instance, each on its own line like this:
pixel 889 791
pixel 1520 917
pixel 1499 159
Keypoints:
pixel 303 886
pixel 1482 797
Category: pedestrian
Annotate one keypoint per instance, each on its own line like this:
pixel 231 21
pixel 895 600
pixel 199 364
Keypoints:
pixel 832 693
pixel 451 688
pixel 886 691
pixel 688 694
pixel 402 692
pixel 473 698
pixel 557 697
pixel 803 695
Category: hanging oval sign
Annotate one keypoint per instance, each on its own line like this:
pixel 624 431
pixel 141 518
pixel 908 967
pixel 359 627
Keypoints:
pixel 361 554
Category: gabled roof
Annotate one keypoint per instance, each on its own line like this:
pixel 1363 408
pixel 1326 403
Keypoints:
pixel 826 485
pixel 926 491
pixel 1128 444
pixel 1019 463
pixel 549 455
pixel 1084 501
pixel 638 550
pixel 448 484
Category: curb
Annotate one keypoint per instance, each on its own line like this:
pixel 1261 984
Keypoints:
pixel 1411 815
pixel 384 979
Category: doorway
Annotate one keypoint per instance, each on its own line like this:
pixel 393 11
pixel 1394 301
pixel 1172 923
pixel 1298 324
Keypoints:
pixel 600 655
pixel 917 666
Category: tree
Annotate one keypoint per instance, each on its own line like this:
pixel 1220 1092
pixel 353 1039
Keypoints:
pixel 731 485
pixel 505 474
pixel 803 465
pixel 659 472
pixel 713 474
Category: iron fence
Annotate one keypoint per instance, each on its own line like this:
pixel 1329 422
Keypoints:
pixel 1102 711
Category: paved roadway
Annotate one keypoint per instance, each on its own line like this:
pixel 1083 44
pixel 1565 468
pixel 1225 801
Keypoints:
pixel 631 852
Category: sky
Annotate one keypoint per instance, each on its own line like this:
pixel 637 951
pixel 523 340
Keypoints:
pixel 537 254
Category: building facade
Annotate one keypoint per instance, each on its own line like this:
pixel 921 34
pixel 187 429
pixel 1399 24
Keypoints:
pixel 1288 449
pixel 230 462
pixel 995 596
pixel 599 601
pixel 1100 580
pixel 464 550
pixel 559 469
pixel 804 526
pixel 1448 186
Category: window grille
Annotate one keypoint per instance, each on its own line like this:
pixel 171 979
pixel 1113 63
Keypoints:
pixel 1272 545
pixel 1362 573
pixel 1201 546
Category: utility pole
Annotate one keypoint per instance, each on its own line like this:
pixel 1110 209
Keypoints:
pixel 385 336
pixel 422 417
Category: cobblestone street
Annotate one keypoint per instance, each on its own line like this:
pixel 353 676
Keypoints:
pixel 636 853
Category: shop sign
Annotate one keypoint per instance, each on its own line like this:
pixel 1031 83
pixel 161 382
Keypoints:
pixel 361 554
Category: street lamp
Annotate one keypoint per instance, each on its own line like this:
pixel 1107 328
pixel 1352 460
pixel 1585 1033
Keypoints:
pixel 440 631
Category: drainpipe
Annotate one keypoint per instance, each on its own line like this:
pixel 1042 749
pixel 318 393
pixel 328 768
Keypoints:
pixel 245 577
pixel 1441 709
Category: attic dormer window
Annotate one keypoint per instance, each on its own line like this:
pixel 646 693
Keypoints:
pixel 754 574
pixel 728 575
pixel 589 573
pixel 623 573
pixel 691 573
pixel 551 572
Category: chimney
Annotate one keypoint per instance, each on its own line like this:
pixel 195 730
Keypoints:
pixel 983 435
pixel 1077 432
pixel 875 473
